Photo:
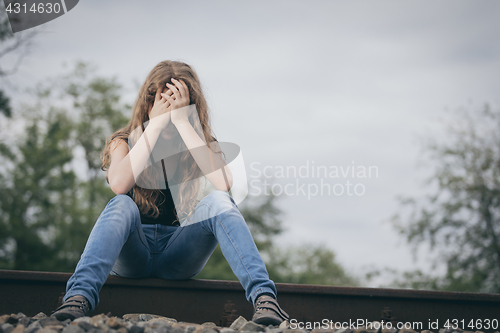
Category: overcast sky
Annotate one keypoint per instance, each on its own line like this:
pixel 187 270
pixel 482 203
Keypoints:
pixel 329 83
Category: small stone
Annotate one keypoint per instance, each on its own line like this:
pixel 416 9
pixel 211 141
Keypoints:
pixel 178 329
pixel 73 329
pixel 87 326
pixel 18 329
pixel 163 320
pixel 190 329
pixel 33 324
pixel 145 317
pixel 81 320
pixel 100 318
pixel 227 330
pixel 285 324
pixel 46 330
pixel 272 329
pixel 3 318
pixel 390 330
pixel 122 330
pixel 6 328
pixel 131 316
pixel 39 315
pixel 238 323
pixel 134 329
pixel 250 326
pixel 21 315
pixel 49 321
pixel 209 324
pixel 366 330
pixel 115 322
pixel 95 330
pixel 209 330
pixel 25 321
pixel 57 328
pixel 33 327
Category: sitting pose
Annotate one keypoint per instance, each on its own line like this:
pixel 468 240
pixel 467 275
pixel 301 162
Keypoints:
pixel 160 224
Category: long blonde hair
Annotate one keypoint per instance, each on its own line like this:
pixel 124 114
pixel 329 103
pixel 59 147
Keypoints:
pixel 147 200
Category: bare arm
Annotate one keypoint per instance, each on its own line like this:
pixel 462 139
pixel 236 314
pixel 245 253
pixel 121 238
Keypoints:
pixel 127 165
pixel 211 164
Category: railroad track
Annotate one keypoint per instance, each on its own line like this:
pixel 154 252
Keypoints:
pixel 199 301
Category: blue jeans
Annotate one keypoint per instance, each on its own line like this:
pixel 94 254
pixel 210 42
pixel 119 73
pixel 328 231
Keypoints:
pixel 120 245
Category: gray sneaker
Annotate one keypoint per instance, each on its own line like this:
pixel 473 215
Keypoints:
pixel 75 307
pixel 268 312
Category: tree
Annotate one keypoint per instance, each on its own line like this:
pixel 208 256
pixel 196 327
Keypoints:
pixel 52 189
pixel 32 190
pixel 16 46
pixel 48 204
pixel 460 220
pixel 308 264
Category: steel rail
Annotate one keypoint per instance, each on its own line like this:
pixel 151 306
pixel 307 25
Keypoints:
pixel 200 301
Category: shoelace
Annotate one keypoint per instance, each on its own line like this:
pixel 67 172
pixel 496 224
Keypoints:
pixel 84 304
pixel 260 305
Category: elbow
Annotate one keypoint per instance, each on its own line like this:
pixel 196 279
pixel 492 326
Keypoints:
pixel 118 188
pixel 227 184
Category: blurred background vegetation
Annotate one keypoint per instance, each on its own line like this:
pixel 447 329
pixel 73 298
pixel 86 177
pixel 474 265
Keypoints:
pixel 52 191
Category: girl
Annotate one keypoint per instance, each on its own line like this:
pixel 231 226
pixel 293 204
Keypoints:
pixel 154 166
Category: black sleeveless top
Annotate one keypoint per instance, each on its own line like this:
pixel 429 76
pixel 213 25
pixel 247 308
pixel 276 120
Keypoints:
pixel 167 211
pixel 168 214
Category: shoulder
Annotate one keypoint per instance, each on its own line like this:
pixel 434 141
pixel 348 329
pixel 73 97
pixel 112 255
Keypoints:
pixel 118 143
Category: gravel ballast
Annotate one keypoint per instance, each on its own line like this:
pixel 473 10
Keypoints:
pixel 149 323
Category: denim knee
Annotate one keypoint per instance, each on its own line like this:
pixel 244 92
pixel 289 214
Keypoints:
pixel 125 207
pixel 218 201
pixel 213 204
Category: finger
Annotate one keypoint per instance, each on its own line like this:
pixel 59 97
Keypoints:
pixel 158 92
pixel 169 92
pixel 185 87
pixel 174 90
pixel 168 98
pixel 180 87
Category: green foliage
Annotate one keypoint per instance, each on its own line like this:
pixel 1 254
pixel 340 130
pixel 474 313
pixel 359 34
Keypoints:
pixel 52 189
pixel 5 105
pixel 308 264
pixel 461 219
pixel 48 204
pixel 5 31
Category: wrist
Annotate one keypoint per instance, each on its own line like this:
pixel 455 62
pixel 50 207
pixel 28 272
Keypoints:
pixel 158 122
pixel 181 123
